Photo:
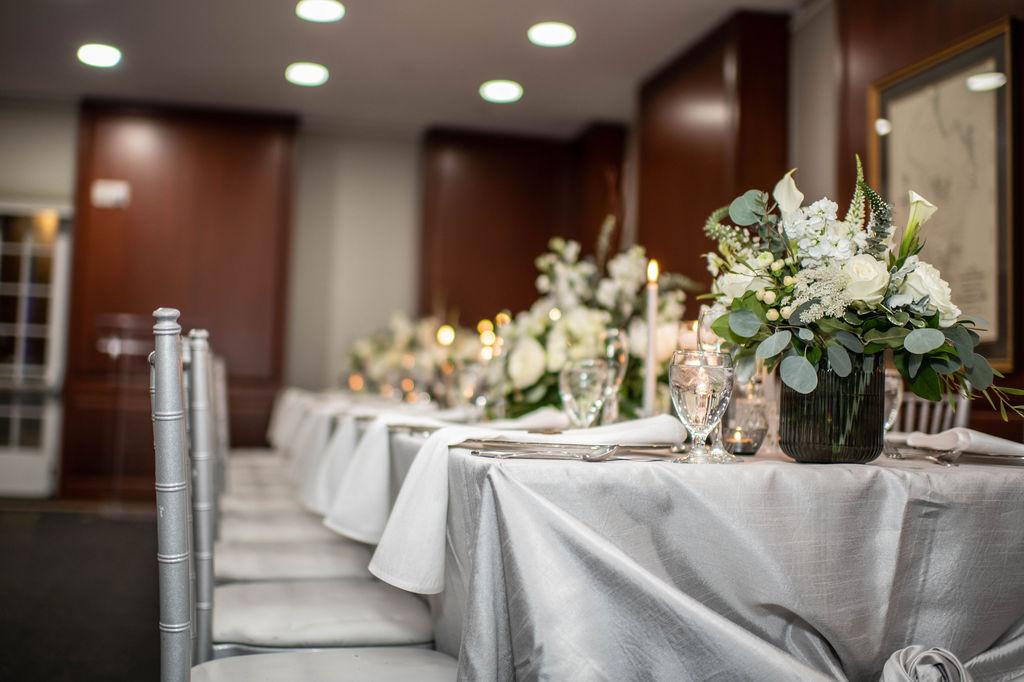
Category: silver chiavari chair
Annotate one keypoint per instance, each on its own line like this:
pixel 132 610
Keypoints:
pixel 918 414
pixel 174 555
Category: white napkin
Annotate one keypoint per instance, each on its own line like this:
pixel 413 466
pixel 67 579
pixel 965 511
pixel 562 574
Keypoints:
pixel 918 664
pixel 411 552
pixel 965 440
pixel 361 498
pixel 310 438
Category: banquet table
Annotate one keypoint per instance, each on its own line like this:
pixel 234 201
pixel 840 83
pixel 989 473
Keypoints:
pixel 767 570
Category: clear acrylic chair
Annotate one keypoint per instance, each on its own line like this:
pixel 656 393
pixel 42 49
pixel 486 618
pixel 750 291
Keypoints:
pixel 257 617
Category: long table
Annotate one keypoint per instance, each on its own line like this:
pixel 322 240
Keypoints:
pixel 768 570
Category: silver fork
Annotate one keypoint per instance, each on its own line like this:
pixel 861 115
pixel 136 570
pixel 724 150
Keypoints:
pixel 946 458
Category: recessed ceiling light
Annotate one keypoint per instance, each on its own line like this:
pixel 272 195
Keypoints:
pixel 320 11
pixel 551 34
pixel 883 126
pixel 501 91
pixel 100 55
pixel 990 80
pixel 308 74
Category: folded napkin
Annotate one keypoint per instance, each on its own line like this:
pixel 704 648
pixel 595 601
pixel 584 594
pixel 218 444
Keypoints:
pixel 918 664
pixel 411 551
pixel 541 419
pixel 310 438
pixel 361 497
pixel 965 440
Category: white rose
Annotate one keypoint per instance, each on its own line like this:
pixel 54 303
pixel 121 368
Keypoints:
pixel 925 280
pixel 526 363
pixel 739 281
pixel 558 348
pixel 868 279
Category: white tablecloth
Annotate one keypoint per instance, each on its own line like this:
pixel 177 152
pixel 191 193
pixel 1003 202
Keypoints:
pixel 767 570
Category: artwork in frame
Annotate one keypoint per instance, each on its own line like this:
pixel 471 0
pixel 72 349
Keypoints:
pixel 945 126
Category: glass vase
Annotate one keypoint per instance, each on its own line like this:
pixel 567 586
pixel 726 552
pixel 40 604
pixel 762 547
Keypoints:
pixel 841 420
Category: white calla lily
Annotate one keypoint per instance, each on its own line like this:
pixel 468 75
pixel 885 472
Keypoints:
pixel 786 194
pixel 920 211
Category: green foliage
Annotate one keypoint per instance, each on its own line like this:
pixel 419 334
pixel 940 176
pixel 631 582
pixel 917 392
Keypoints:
pixel 750 208
pixel 744 323
pixel 799 374
pixel 880 226
pixel 839 360
pixel 774 344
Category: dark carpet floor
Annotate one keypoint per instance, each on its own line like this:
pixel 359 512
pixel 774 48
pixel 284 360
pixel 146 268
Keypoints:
pixel 78 596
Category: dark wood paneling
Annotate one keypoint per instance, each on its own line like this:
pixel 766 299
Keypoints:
pixel 712 125
pixel 206 231
pixel 879 37
pixel 598 153
pixel 492 202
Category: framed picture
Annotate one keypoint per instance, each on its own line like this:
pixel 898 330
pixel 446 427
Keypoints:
pixel 944 127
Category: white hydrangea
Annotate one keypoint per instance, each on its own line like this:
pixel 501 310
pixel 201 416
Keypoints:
pixel 820 236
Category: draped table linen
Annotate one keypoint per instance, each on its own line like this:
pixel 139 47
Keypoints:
pixel 768 570
pixel 361 485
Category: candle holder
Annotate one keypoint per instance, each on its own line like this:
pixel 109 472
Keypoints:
pixel 746 422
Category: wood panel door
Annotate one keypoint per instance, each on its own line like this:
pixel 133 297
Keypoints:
pixel 204 228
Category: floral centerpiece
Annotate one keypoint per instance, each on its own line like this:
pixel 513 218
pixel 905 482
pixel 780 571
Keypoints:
pixel 405 357
pixel 823 298
pixel 581 299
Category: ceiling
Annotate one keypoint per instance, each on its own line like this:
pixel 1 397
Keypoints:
pixel 396 65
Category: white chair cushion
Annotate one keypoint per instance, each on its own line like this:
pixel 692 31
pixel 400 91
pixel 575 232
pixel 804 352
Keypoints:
pixel 255 504
pixel 275 527
pixel 382 664
pixel 240 561
pixel 319 613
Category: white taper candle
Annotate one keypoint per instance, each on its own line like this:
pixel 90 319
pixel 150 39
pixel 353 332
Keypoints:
pixel 651 363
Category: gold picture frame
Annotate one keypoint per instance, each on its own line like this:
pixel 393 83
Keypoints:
pixel 931 130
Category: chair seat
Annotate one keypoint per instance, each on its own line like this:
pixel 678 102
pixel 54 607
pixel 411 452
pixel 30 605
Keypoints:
pixel 319 614
pixel 353 665
pixel 275 527
pixel 257 504
pixel 242 561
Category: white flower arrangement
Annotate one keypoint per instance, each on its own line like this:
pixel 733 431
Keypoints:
pixel 580 301
pixel 800 288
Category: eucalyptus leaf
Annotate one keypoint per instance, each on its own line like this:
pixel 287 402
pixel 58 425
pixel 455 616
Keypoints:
pixel 961 340
pixel 914 364
pixel 926 384
pixel 798 374
pixel 899 318
pixel 923 341
pixel 774 344
pixel 805 334
pixel 744 323
pixel 794 317
pixel 839 360
pixel 944 365
pixel 747 208
pixel 850 341
pixel 979 372
pixel 852 318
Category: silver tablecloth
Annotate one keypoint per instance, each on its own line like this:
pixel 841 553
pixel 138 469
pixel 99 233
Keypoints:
pixel 767 570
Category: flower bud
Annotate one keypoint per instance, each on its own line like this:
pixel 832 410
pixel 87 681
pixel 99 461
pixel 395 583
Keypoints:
pixel 772 314
pixel 769 297
pixel 788 280
pixel 778 265
pixel 786 311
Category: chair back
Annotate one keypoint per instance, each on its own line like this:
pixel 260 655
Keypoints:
pixel 220 405
pixel 172 498
pixel 203 439
pixel 918 414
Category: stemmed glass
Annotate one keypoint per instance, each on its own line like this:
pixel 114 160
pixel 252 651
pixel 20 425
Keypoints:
pixel 615 350
pixel 583 385
pixel 893 401
pixel 701 383
pixel 708 340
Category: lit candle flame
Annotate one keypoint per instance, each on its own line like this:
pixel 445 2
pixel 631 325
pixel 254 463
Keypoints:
pixel 652 271
pixel 446 335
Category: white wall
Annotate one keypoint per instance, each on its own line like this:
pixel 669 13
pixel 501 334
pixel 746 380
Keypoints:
pixel 37 152
pixel 814 70
pixel 355 242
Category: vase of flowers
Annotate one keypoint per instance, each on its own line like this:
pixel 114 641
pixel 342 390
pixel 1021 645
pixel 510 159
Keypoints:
pixel 824 299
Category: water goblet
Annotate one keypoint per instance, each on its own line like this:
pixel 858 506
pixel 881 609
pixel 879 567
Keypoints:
pixel 701 383
pixel 893 400
pixel 583 386
pixel 615 349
